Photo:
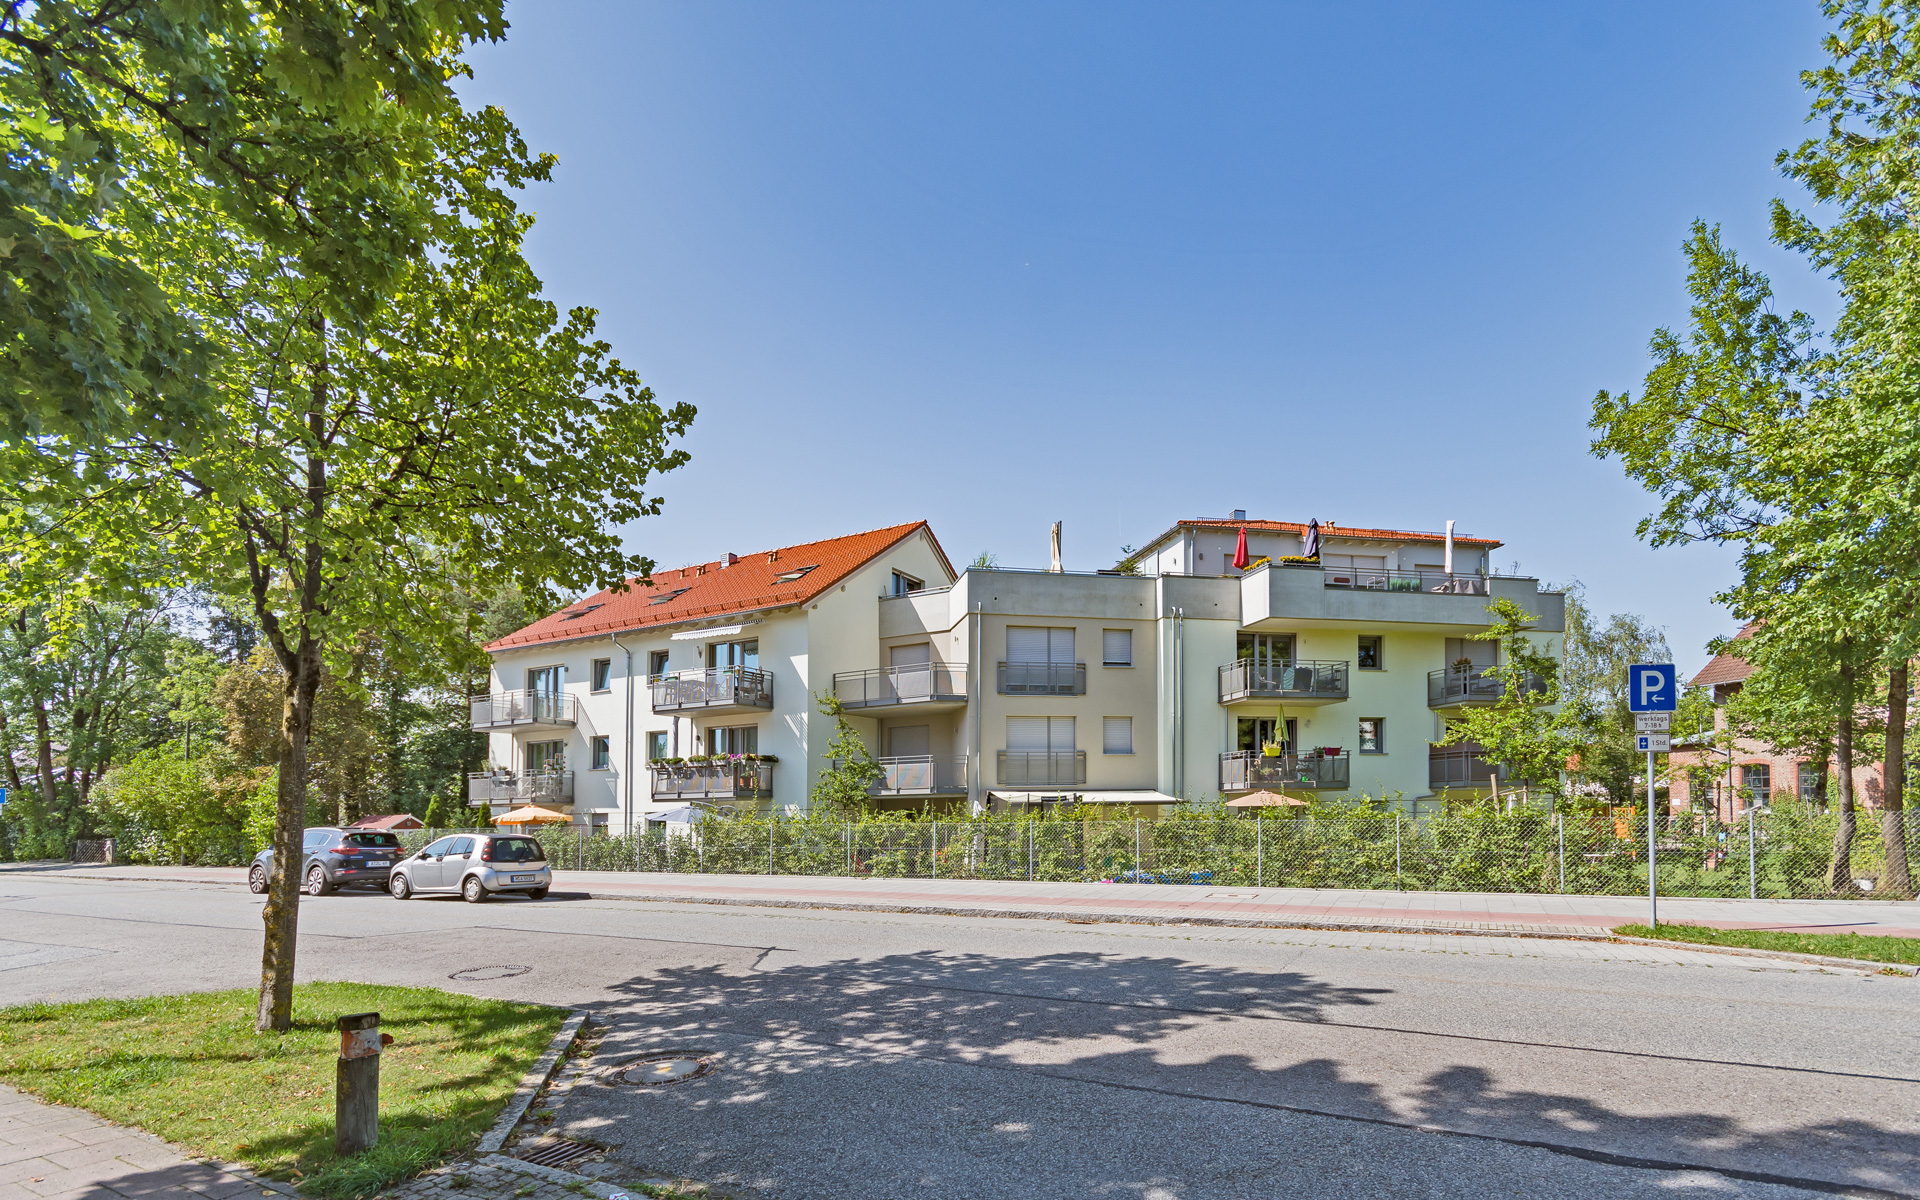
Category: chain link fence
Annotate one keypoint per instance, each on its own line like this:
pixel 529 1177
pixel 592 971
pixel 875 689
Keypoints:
pixel 1782 853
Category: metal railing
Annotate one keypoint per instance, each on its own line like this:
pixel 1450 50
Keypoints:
pixel 1374 579
pixel 1254 679
pixel 1042 768
pixel 921 775
pixel 1245 770
pixel 918 684
pixel 719 687
pixel 1467 685
pixel 504 787
pixel 1042 679
pixel 713 781
pixel 1460 766
pixel 505 709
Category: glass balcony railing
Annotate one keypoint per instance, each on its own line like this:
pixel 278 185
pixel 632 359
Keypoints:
pixel 545 788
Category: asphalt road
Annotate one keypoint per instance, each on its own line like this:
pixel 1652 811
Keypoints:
pixel 861 1055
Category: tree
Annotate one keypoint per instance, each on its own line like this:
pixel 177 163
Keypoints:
pixel 365 464
pixel 846 786
pixel 1520 731
pixel 1593 664
pixel 269 106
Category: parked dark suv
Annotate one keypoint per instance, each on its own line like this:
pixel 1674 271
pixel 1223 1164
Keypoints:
pixel 333 857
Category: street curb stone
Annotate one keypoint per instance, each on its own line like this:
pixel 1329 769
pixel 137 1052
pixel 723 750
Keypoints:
pixel 530 1084
pixel 598 1187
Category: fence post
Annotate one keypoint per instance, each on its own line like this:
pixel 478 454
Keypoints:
pixel 1398 885
pixel 1136 849
pixel 849 836
pixel 1030 850
pixel 580 852
pixel 1259 854
pixel 770 869
pixel 933 861
pixel 1753 881
pixel 1560 826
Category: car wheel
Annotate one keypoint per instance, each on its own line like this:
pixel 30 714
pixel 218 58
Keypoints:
pixel 317 881
pixel 401 889
pixel 473 890
pixel 257 880
pixel 537 894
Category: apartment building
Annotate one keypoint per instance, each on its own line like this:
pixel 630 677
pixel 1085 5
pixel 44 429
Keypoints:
pixel 1184 679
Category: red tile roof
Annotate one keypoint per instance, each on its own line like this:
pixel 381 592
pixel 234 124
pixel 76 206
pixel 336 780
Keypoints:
pixel 396 821
pixel 1327 530
pixel 716 589
pixel 1725 668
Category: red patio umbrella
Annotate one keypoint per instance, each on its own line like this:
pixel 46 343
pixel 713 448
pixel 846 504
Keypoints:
pixel 1240 555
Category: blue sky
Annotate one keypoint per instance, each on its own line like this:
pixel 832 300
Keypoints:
pixel 1117 264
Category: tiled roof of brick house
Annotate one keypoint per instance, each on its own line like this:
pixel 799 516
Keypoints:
pixel 1725 668
pixel 738 584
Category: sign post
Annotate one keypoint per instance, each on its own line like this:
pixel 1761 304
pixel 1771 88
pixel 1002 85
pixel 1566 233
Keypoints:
pixel 1653 693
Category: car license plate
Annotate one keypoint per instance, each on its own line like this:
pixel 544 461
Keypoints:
pixel 525 878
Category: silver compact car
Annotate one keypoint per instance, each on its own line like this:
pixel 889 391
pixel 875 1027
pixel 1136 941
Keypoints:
pixel 475 865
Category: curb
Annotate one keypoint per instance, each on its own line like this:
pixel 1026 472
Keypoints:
pixel 530 1084
pixel 585 1183
pixel 1818 960
pixel 1579 933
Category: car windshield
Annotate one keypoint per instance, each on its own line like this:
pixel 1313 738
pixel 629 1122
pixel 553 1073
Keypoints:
pixel 385 841
pixel 517 849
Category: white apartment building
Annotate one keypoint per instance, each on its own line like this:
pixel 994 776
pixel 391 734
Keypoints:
pixel 1004 688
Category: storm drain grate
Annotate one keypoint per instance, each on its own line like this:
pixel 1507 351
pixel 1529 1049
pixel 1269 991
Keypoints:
pixel 555 1152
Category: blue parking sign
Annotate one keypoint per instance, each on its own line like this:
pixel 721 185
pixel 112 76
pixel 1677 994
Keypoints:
pixel 1652 687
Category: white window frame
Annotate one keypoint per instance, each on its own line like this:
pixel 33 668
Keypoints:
pixel 600 675
pixel 600 752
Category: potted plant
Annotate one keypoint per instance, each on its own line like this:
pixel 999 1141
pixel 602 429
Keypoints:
pixel 1272 749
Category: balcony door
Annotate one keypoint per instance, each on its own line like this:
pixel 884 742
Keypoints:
pixel 1482 654
pixel 912 670
pixel 543 757
pixel 739 656
pixel 1255 732
pixel 544 687
pixel 734 739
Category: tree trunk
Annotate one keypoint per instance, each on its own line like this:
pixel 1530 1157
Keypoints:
pixel 282 913
pixel 50 795
pixel 1893 820
pixel 1840 873
pixel 13 773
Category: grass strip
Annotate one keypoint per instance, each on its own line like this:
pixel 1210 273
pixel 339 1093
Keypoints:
pixel 1865 946
pixel 192 1070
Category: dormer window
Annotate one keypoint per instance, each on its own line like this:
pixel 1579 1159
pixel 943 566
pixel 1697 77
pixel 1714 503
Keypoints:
pixel 664 597
pixel 577 613
pixel 796 573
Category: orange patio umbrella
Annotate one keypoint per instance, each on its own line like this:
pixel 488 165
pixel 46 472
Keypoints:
pixel 1266 800
pixel 532 814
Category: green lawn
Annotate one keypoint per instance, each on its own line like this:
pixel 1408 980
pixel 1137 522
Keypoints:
pixel 192 1070
pixel 1835 945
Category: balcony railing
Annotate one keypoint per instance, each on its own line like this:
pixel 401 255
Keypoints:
pixel 1255 679
pixel 1461 685
pixel 1043 679
pixel 545 788
pixel 1245 770
pixel 921 775
pixel 1042 768
pixel 713 781
pixel 1372 579
pixel 504 710
pixel 721 687
pixel 923 683
pixel 1459 766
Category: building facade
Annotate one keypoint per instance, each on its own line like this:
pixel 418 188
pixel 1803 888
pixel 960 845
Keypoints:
pixel 1001 688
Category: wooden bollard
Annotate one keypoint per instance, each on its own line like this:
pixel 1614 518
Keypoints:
pixel 356 1084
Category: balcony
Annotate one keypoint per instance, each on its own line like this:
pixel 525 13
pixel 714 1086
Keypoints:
pixel 1303 683
pixel 1455 687
pixel 1245 770
pixel 548 789
pixel 1437 583
pixel 718 692
pixel 1042 679
pixel 713 781
pixel 1042 768
pixel 522 710
pixel 928 686
pixel 922 775
pixel 1465 765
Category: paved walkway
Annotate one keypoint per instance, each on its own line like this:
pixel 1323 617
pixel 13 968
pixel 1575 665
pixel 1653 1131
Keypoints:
pixel 49 1152
pixel 1452 912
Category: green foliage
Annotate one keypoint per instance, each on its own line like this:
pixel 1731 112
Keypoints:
pixel 1594 659
pixel 165 808
pixel 1864 947
pixel 852 772
pixel 1521 730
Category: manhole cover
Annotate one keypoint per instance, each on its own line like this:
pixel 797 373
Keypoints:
pixel 474 974
pixel 654 1072
pixel 555 1152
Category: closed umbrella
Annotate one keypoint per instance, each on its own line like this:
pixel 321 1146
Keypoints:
pixel 1240 556
pixel 1312 547
pixel 532 814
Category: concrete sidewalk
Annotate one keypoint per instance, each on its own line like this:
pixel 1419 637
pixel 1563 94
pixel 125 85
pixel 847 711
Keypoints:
pixel 48 1152
pixel 1438 912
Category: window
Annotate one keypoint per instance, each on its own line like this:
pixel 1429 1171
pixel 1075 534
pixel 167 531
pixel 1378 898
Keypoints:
pixel 546 681
pixel 383 841
pixel 656 745
pixel 517 849
pixel 734 739
pixel 1370 657
pixel 602 674
pixel 796 573
pixel 443 846
pixel 1116 735
pixel 461 846
pixel 902 584
pixel 743 656
pixel 576 613
pixel 656 662
pixel 1116 648
pixel 1036 644
pixel 1373 735
pixel 1757 779
pixel 1810 788
pixel 666 597
pixel 602 758
pixel 545 757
